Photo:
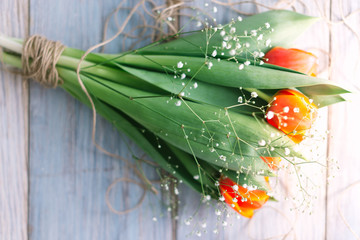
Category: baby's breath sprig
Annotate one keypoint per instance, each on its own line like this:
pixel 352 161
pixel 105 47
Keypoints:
pixel 236 44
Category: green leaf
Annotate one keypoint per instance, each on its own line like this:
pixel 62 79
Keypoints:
pixel 287 26
pixel 202 92
pixel 323 89
pixel 226 73
pixel 324 95
pixel 195 168
pixel 112 73
pixel 193 90
pixel 126 126
pixel 181 127
pixel 326 100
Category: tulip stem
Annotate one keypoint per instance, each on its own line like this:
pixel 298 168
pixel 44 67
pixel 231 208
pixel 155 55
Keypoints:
pixel 260 94
pixel 11 44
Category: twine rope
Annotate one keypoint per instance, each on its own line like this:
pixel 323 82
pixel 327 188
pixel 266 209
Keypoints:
pixel 113 184
pixel 39 59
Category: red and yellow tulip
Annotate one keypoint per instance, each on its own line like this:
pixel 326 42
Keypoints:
pixel 291 111
pixel 294 59
pixel 241 199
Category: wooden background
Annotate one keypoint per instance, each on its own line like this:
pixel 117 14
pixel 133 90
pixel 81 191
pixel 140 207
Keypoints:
pixel 53 180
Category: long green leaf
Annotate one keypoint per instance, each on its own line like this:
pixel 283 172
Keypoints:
pixel 287 26
pixel 179 126
pixel 122 124
pixel 326 100
pixel 194 90
pixel 226 73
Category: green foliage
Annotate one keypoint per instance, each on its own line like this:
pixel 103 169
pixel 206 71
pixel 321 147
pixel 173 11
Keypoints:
pixel 201 112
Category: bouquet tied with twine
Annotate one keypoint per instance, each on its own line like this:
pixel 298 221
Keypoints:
pixel 202 106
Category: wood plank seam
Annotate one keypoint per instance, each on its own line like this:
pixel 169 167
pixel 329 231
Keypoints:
pixel 14 177
pixel 329 127
pixel 28 132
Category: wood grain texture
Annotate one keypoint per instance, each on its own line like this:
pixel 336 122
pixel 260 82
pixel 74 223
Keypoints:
pixel 13 132
pixel 345 162
pixel 68 175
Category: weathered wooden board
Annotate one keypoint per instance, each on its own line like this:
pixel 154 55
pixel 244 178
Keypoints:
pixel 13 132
pixel 342 197
pixel 68 175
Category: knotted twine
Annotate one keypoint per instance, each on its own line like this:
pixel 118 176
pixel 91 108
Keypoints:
pixel 39 58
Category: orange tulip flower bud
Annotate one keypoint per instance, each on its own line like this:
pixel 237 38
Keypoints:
pixel 241 199
pixel 272 162
pixel 294 59
pixel 292 113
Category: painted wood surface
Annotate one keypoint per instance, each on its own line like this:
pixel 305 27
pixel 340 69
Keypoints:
pixel 344 186
pixel 45 143
pixel 13 132
pixel 68 175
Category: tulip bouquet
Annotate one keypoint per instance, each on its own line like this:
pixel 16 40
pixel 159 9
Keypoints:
pixel 218 108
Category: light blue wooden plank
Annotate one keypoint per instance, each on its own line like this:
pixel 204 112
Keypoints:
pixel 343 218
pixel 68 175
pixel 13 131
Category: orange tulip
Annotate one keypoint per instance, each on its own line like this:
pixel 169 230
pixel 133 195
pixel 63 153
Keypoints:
pixel 292 113
pixel 294 59
pixel 272 162
pixel 241 199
